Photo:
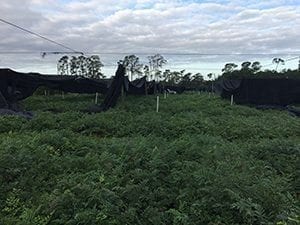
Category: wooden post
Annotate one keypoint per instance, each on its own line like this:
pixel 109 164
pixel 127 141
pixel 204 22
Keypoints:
pixel 157 103
pixel 231 100
pixel 96 98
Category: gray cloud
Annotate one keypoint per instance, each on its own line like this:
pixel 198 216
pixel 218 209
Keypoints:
pixel 143 26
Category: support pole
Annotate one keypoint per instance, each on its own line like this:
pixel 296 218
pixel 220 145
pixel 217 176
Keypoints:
pixel 157 103
pixel 231 100
pixel 96 98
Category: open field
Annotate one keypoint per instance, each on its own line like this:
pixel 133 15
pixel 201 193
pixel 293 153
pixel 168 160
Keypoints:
pixel 198 161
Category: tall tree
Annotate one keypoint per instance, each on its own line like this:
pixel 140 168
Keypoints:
pixel 245 66
pixel 146 71
pixel 82 65
pixel 63 65
pixel 256 66
pixel 210 75
pixel 198 77
pixel 158 75
pixel 156 62
pixel 197 80
pixel 166 75
pixel 186 79
pixel 73 65
pixel 229 67
pixel 278 61
pixel 132 65
pixel 94 66
pixel 175 77
pixel 246 69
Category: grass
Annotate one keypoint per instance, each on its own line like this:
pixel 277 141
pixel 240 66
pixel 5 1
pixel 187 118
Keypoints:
pixel 198 161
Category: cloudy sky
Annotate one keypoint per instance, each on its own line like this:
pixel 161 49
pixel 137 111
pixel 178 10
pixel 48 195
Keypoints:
pixel 187 32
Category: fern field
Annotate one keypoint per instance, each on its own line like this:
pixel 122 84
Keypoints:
pixel 197 161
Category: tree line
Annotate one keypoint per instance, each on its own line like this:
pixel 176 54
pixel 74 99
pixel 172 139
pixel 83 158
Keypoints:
pixel 91 67
pixel 82 66
pixel 254 69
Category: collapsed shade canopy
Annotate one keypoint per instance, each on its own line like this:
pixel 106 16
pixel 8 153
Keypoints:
pixel 261 91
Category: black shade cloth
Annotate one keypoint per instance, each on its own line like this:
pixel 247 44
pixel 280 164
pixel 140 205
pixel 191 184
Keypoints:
pixel 9 112
pixel 3 102
pixel 114 90
pixel 18 86
pixel 231 86
pixel 136 87
pixel 291 109
pixel 15 86
pixel 112 94
pixel 262 91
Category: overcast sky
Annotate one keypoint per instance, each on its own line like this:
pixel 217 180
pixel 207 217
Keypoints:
pixel 146 27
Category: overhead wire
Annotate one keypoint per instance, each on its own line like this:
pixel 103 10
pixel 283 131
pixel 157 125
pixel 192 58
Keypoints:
pixel 73 51
pixel 149 53
pixel 38 35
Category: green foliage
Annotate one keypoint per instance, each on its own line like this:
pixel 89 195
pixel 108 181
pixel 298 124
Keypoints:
pixel 253 70
pixel 198 161
pixel 83 66
pixel 132 65
pixel 16 212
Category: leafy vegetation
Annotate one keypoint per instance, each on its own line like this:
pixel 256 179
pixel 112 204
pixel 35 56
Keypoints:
pixel 198 161
pixel 83 66
pixel 253 70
